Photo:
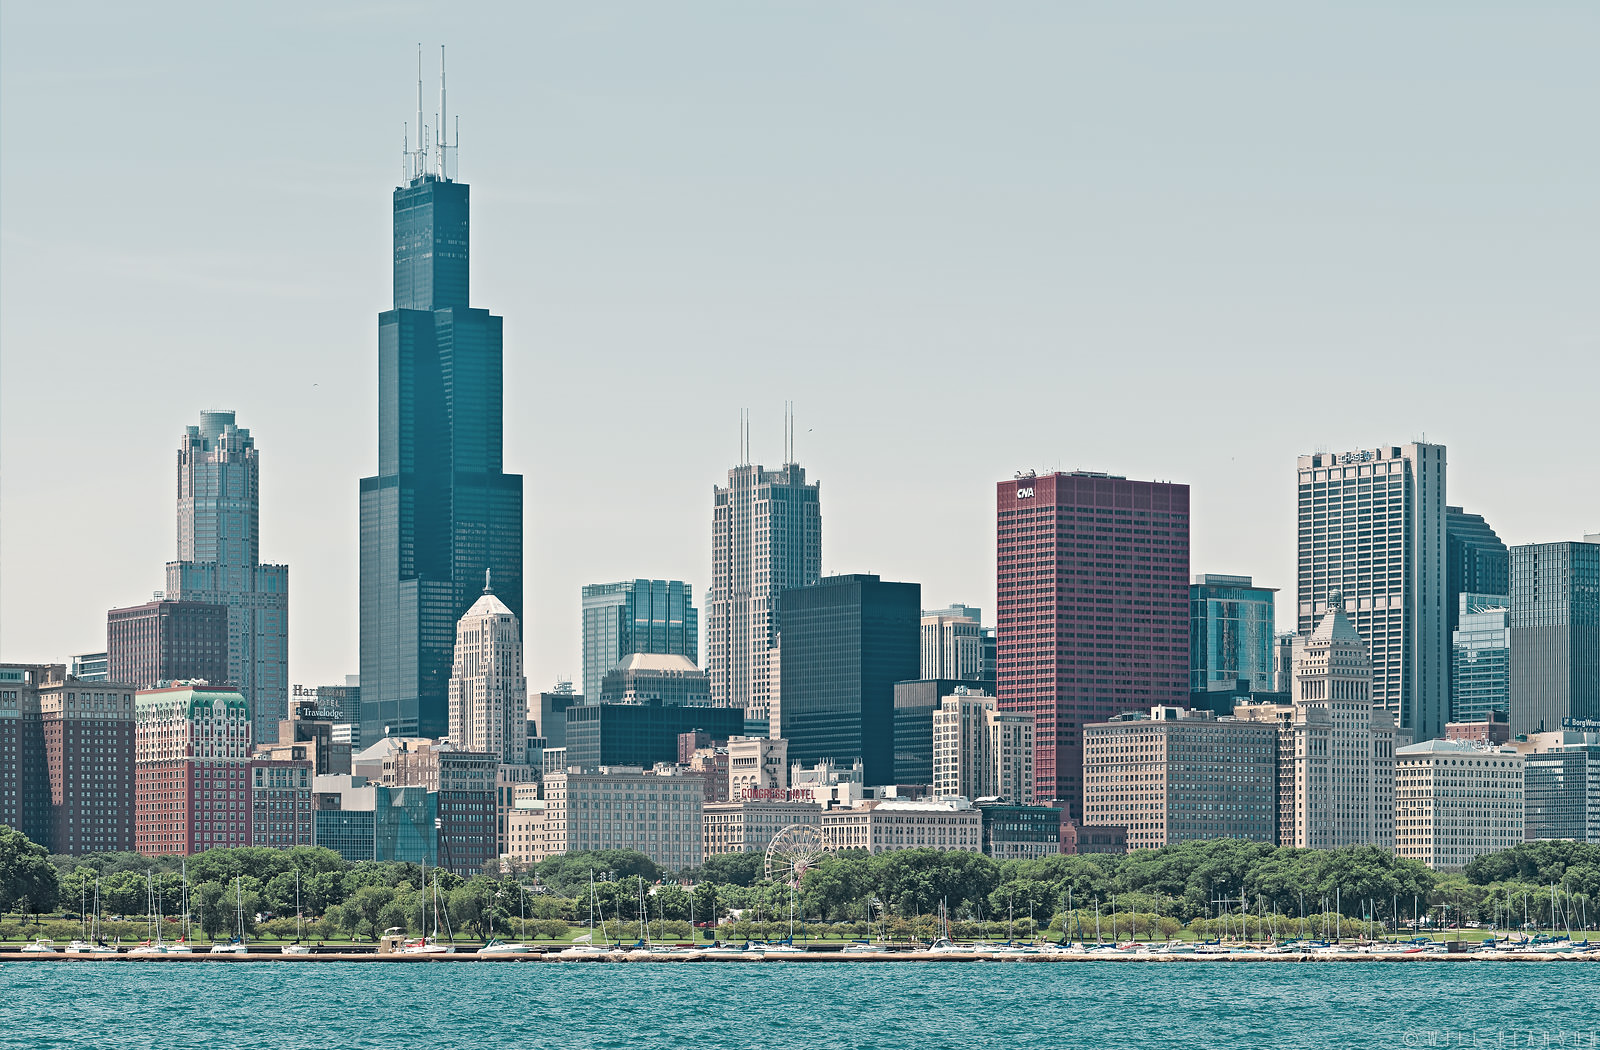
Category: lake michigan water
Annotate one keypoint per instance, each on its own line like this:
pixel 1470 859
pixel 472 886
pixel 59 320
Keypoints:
pixel 815 1005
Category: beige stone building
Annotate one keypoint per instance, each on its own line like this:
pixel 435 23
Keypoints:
pixel 756 763
pixel 1335 746
pixel 749 826
pixel 980 751
pixel 1175 775
pixel 657 812
pixel 1455 800
pixel 886 825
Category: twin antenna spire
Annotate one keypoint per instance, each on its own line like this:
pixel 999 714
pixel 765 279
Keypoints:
pixel 418 164
pixel 788 435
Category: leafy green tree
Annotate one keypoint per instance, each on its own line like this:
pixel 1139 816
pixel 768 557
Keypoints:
pixel 568 874
pixel 734 869
pixel 28 880
pixel 213 906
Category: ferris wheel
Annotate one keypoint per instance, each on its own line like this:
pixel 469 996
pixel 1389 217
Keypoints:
pixel 793 851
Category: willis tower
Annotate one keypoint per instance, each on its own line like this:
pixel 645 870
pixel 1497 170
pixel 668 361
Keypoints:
pixel 441 509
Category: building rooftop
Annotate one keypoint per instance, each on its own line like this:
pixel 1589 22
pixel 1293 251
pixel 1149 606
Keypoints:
pixel 1449 747
pixel 660 662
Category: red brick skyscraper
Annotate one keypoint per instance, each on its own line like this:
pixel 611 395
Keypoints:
pixel 1093 593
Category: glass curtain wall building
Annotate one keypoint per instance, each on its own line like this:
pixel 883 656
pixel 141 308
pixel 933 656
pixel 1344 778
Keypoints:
pixel 636 616
pixel 1480 658
pixel 1555 635
pixel 441 508
pixel 846 641
pixel 1231 633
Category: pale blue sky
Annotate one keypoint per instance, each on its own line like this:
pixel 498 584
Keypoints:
pixel 1183 241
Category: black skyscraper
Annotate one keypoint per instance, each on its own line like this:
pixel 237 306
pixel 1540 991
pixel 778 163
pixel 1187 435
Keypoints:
pixel 440 510
pixel 846 641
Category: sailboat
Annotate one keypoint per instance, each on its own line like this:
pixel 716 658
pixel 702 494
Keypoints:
pixel 185 927
pixel 299 947
pixel 153 945
pixel 92 944
pixel 429 945
pixel 236 946
pixel 583 946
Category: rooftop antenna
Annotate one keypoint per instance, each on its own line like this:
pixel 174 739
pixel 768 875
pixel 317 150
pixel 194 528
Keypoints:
pixel 419 159
pixel 444 114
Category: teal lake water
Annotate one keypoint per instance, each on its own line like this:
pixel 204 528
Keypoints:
pixel 284 1006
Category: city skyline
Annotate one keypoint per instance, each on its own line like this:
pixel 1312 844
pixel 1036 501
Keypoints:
pixel 926 518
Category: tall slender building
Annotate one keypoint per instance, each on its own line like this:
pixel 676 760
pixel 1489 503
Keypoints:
pixel 1093 591
pixel 1372 527
pixel 219 562
pixel 441 508
pixel 488 691
pixel 766 538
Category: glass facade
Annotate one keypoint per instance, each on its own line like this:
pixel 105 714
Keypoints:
pixel 1230 633
pixel 640 734
pixel 1480 658
pixel 1555 635
pixel 636 616
pixel 441 510
pixel 846 641
pixel 1562 793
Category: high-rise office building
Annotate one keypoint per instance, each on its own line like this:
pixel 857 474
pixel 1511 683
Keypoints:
pixel 914 704
pixel 766 537
pixel 980 751
pixel 1093 591
pixel 636 616
pixel 952 645
pixel 1335 746
pixel 219 561
pixel 168 641
pixel 88 667
pixel 1555 635
pixel 1372 527
pixel 488 691
pixel 1170 775
pixel 1476 560
pixel 66 759
pixel 1480 658
pixel 1230 633
pixel 1562 783
pixel 846 642
pixel 441 508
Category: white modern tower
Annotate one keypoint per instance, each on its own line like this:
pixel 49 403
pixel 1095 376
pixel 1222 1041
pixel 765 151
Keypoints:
pixel 1372 527
pixel 488 691
pixel 766 537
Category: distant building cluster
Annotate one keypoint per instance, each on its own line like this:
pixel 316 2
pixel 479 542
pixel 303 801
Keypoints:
pixel 1439 696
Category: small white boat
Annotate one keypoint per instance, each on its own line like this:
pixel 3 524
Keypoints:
pixel 778 948
pixel 426 946
pixel 296 949
pixel 860 947
pixel 499 947
pixel 41 946
pixel 230 948
pixel 90 948
pixel 945 946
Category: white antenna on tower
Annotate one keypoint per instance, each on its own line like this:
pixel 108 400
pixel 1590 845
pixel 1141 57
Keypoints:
pixel 419 157
pixel 443 115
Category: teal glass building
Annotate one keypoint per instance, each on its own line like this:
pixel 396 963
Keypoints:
pixel 636 616
pixel 1480 657
pixel 1231 633
pixel 441 509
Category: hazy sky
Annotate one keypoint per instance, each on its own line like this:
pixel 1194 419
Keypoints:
pixel 1185 242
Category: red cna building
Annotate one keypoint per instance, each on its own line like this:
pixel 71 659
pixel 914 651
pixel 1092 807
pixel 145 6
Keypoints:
pixel 1092 591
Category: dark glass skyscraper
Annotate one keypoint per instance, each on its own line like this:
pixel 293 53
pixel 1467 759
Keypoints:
pixel 441 509
pixel 846 641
